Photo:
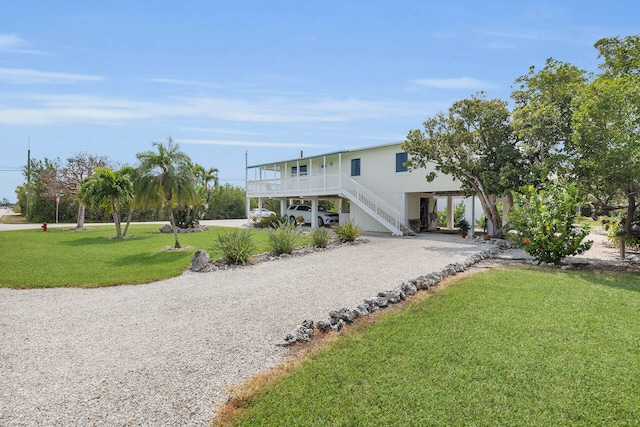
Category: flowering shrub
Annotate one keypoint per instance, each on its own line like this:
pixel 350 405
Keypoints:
pixel 615 225
pixel 544 223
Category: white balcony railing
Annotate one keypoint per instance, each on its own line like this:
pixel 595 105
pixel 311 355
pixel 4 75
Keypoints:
pixel 329 184
pixel 306 185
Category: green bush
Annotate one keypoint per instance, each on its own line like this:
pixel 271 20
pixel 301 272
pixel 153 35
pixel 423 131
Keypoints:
pixel 544 221
pixel 320 237
pixel 615 225
pixel 269 222
pixel 458 214
pixel 284 238
pixel 347 232
pixel 235 247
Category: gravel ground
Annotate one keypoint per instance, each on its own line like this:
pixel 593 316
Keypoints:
pixel 164 353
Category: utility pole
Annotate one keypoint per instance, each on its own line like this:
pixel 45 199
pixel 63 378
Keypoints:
pixel 28 170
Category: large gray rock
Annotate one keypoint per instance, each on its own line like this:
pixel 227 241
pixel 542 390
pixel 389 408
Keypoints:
pixel 347 315
pixel 166 228
pixel 200 261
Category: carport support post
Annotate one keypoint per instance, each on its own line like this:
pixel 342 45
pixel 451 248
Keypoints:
pixel 314 212
pixel 283 207
pixel 450 212
pixel 472 218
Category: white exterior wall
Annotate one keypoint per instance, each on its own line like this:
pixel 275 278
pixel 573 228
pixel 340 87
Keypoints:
pixel 378 173
pixel 402 190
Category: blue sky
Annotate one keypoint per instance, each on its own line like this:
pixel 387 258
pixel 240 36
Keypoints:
pixel 271 78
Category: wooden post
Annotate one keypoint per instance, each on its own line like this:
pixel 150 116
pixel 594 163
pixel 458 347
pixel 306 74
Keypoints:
pixel 622 246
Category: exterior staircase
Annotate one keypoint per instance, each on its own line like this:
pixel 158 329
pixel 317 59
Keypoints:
pixel 373 205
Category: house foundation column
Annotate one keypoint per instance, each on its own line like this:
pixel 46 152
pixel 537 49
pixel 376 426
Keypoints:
pixel 283 207
pixel 314 212
pixel 450 212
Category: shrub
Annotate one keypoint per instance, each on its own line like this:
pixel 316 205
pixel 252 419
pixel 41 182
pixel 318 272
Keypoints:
pixel 284 238
pixel 236 247
pixel 269 222
pixel 613 226
pixel 458 214
pixel 347 232
pixel 320 237
pixel 544 221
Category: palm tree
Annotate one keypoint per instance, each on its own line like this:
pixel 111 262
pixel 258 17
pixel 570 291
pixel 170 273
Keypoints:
pixel 204 177
pixel 133 175
pixel 106 187
pixel 166 178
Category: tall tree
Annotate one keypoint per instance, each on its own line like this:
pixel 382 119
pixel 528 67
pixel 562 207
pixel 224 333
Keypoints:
pixel 542 118
pixel 473 143
pixel 606 142
pixel 166 179
pixel 66 179
pixel 106 187
pixel 204 178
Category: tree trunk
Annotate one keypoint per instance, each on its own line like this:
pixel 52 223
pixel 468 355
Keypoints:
pixel 116 219
pixel 126 227
pixel 173 227
pixel 489 207
pixel 80 223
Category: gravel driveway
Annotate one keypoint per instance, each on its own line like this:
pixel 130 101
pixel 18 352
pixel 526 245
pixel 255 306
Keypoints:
pixel 163 353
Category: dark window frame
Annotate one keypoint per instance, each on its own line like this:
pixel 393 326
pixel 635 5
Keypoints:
pixel 400 168
pixel 356 167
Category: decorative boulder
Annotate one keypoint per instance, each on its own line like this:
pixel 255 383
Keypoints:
pixel 166 228
pixel 200 261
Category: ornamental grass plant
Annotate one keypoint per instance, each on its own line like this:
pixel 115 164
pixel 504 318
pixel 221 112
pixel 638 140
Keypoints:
pixel 284 238
pixel 320 237
pixel 347 232
pixel 235 247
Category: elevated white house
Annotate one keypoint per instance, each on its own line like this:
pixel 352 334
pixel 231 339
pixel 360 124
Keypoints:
pixel 371 186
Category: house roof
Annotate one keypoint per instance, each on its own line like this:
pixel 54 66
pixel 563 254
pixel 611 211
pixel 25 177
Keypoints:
pixel 295 159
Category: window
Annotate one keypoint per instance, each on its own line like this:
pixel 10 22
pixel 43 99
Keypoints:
pixel 355 167
pixel 400 159
pixel 303 170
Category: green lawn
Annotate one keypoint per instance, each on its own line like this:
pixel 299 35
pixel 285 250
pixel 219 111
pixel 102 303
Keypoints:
pixel 63 257
pixel 526 347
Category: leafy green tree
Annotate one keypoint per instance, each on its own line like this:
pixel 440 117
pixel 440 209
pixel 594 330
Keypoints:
pixel 106 187
pixel 473 143
pixel 227 202
pixel 544 222
pixel 542 118
pixel 166 179
pixel 606 142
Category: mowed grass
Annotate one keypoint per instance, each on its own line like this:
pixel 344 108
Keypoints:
pixel 525 347
pixel 90 258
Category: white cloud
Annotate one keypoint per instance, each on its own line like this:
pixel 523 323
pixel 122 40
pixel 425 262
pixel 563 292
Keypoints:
pixel 26 76
pixel 36 110
pixel 454 83
pixel 10 42
pixel 181 82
